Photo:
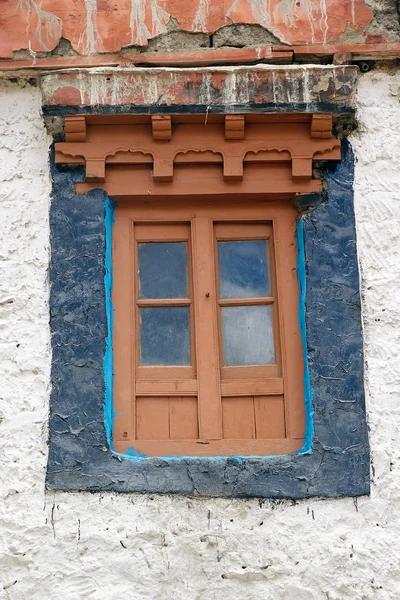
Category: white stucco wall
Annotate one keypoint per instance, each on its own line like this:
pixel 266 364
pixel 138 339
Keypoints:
pixel 79 546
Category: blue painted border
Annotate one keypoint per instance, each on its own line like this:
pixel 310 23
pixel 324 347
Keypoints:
pixel 308 390
pixel 109 211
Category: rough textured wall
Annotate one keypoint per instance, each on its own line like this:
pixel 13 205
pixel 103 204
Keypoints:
pixel 74 546
pixel 91 26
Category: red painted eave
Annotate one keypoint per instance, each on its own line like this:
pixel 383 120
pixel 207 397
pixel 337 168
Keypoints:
pixel 231 56
pixel 163 59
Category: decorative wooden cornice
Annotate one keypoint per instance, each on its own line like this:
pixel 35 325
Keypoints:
pixel 161 144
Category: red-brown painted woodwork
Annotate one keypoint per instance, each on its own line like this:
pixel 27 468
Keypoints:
pixel 234 127
pixel 168 147
pixel 207 409
pixel 321 126
pixel 161 127
pixel 75 128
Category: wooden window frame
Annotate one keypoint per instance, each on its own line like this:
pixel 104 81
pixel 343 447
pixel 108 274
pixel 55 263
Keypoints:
pixel 132 381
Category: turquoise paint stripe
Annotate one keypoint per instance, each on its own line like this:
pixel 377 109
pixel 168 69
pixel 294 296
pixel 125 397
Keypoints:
pixel 109 209
pixel 136 456
pixel 308 391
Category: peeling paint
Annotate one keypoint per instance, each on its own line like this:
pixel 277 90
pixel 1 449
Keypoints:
pixel 91 41
pixel 324 20
pixel 48 28
pixel 200 18
pixel 202 86
pixel 142 28
pixel 96 26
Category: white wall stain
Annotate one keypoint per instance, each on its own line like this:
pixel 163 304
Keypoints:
pixel 353 12
pixel 261 13
pixel 306 87
pixel 324 20
pixel 56 545
pixel 287 11
pixel 310 9
pixel 90 40
pixel 116 86
pixel 140 33
pixel 200 18
pixel 205 89
pixel 229 90
pixel 153 96
pixel 48 27
pixel 274 86
pixel 97 89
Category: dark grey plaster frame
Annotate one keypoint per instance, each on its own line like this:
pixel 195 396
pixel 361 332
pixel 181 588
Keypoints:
pixel 80 458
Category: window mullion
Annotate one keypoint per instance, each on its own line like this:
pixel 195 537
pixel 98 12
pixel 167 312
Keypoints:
pixel 205 307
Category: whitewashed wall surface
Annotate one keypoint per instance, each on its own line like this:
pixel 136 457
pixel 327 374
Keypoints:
pixel 79 546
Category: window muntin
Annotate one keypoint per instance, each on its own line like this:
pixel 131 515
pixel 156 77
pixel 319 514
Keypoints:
pixel 184 400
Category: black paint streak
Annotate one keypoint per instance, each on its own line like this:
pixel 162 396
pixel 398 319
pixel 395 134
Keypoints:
pixel 320 107
pixel 339 462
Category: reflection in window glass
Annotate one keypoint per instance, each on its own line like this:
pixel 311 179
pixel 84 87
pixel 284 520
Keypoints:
pixel 243 269
pixel 165 335
pixel 163 270
pixel 247 335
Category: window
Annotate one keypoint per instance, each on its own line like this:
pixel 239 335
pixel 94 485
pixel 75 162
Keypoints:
pixel 250 171
pixel 207 351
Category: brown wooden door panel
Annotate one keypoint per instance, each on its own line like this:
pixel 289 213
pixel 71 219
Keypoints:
pixel 269 414
pixel 166 418
pixel 205 408
pixel 253 417
pixel 238 418
pixel 183 419
pixel 152 418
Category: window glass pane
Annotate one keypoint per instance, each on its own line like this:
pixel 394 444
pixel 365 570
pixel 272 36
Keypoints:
pixel 243 269
pixel 247 335
pixel 165 335
pixel 163 270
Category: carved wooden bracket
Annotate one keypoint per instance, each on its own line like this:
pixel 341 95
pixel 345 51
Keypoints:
pixel 321 126
pixel 234 127
pixel 161 127
pixel 163 143
pixel 75 128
